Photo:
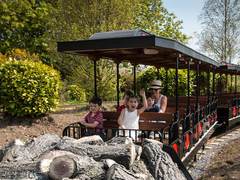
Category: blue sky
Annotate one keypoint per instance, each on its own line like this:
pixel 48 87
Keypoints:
pixel 188 11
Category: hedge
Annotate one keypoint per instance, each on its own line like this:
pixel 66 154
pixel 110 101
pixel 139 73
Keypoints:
pixel 28 88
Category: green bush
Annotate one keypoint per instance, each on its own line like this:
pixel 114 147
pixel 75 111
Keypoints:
pixel 76 93
pixel 28 88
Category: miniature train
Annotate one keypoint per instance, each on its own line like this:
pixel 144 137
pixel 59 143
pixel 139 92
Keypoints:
pixel 189 121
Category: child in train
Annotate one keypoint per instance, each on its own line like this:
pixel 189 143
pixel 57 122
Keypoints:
pixel 93 120
pixel 129 117
pixel 123 102
pixel 151 106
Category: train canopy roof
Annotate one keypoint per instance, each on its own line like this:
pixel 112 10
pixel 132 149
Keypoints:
pixel 229 68
pixel 137 47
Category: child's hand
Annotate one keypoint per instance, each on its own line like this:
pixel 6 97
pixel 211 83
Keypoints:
pixel 142 92
pixel 83 123
pixel 122 127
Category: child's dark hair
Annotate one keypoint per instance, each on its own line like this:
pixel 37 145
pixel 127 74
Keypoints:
pixel 129 93
pixel 149 95
pixel 133 96
pixel 96 100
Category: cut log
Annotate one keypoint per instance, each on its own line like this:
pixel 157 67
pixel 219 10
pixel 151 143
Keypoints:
pixel 159 162
pixel 138 152
pixel 118 172
pixel 15 170
pixel 47 158
pixel 124 154
pixel 91 140
pixel 5 152
pixel 61 167
pixel 125 140
pixel 64 164
pixel 58 168
pixel 140 169
pixel 120 140
pixel 32 149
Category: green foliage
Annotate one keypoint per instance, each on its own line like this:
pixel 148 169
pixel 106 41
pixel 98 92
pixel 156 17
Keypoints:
pixel 76 93
pixel 3 58
pixel 106 79
pixel 168 79
pixel 153 17
pixel 28 88
pixel 37 25
pixel 23 24
pixel 74 19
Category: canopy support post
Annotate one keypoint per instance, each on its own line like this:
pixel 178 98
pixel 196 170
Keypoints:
pixel 188 86
pixel 134 79
pixel 95 76
pixel 117 63
pixel 198 87
pixel 208 86
pixel 213 85
pixel 176 84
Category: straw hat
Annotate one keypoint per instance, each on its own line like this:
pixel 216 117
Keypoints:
pixel 156 84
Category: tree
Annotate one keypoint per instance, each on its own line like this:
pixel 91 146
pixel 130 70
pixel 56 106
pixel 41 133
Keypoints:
pixel 153 17
pixel 221 33
pixel 73 20
pixel 76 19
pixel 23 24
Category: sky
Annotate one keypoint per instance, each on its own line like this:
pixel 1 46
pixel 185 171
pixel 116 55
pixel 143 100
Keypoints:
pixel 188 11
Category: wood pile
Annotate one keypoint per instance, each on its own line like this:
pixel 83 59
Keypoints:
pixel 51 157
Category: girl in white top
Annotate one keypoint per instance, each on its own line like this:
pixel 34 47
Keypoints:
pixel 129 117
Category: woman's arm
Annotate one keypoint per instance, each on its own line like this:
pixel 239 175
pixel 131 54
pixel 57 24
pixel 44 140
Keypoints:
pixel 120 118
pixel 163 104
pixel 145 105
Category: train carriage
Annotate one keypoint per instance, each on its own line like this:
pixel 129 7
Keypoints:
pixel 189 121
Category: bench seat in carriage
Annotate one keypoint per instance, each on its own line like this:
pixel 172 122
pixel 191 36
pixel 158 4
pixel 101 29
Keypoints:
pixel 149 121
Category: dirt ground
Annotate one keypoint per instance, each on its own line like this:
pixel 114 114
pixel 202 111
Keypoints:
pixel 28 128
